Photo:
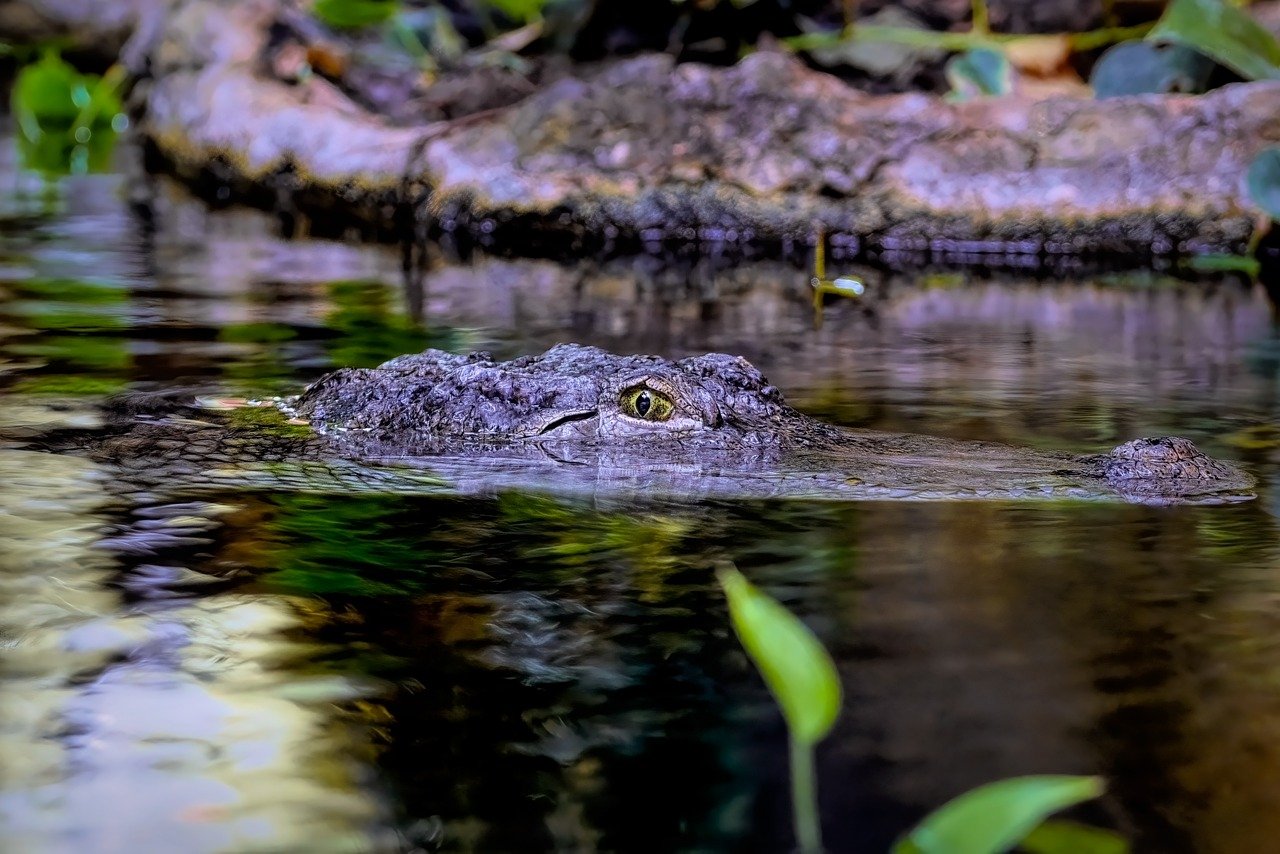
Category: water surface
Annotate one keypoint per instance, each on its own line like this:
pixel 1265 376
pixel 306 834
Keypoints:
pixel 241 670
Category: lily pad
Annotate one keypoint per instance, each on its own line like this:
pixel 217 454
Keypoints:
pixel 1143 68
pixel 1223 32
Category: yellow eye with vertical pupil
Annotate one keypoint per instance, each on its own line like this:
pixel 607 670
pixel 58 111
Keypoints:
pixel 646 404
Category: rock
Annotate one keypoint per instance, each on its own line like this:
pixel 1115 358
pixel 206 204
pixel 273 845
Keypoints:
pixel 643 149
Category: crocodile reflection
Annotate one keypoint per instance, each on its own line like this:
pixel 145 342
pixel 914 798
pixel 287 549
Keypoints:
pixel 710 424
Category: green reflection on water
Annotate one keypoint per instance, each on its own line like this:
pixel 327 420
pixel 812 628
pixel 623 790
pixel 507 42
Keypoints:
pixel 78 347
pixel 370 328
pixel 261 364
pixel 569 537
pixel 363 327
pixel 355 546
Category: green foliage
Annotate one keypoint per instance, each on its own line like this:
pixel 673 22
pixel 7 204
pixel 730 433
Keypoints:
pixel 988 820
pixel 979 72
pixel 792 661
pixel 994 818
pixel 1139 68
pixel 1066 837
pixel 522 11
pixel 1263 181
pixel 68 120
pixel 1223 32
pixel 355 14
pixel 802 678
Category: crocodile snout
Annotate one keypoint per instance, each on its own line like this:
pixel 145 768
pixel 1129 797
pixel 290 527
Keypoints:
pixel 1172 467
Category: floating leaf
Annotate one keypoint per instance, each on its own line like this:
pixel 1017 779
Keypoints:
pixel 1067 837
pixel 981 72
pixel 1223 32
pixel 353 14
pixel 993 818
pixel 792 661
pixel 1263 181
pixel 1142 68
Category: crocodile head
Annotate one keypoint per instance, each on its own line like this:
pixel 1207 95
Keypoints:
pixel 569 397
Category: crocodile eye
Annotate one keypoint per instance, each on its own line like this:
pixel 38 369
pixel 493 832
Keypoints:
pixel 646 404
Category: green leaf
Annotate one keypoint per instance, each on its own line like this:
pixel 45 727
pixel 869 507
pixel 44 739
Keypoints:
pixel 993 818
pixel 1066 837
pixel 1263 181
pixel 353 14
pixel 46 92
pixel 68 120
pixel 878 58
pixel 981 72
pixel 1225 33
pixel 520 11
pixel 1142 68
pixel 792 661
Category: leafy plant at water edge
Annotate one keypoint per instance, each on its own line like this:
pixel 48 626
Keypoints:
pixel 979 72
pixel 1263 181
pixel 68 120
pixel 1222 32
pixel 987 820
pixel 354 14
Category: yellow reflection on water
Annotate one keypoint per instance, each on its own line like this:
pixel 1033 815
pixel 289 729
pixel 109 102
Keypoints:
pixel 171 724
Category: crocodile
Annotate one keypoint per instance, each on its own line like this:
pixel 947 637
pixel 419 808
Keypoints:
pixel 580 420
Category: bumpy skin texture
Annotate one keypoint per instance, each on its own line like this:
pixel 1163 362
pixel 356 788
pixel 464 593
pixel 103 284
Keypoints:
pixel 579 404
pixel 569 397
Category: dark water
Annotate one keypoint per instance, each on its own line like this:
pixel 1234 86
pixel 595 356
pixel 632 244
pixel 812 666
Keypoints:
pixel 283 670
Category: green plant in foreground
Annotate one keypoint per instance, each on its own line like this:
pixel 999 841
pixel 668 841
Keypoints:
pixel 987 820
pixel 802 678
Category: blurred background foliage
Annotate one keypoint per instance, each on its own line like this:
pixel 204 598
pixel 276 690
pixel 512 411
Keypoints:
pixel 67 120
pixel 439 59
pixel 885 45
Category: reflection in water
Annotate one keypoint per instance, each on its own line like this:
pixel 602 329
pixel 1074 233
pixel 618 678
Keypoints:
pixel 157 719
pixel 259 670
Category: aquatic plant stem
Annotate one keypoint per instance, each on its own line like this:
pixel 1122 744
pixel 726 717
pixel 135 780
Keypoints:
pixel 981 22
pixel 804 798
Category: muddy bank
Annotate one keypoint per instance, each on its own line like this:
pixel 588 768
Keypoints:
pixel 643 150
